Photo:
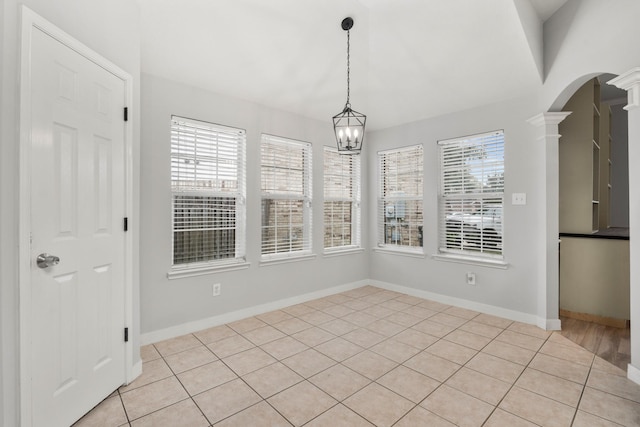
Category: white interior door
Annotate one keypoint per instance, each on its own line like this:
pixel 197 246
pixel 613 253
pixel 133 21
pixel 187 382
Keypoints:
pixel 77 210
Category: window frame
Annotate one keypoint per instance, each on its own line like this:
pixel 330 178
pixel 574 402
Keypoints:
pixel 354 176
pixel 238 147
pixel 305 196
pixel 384 199
pixel 456 191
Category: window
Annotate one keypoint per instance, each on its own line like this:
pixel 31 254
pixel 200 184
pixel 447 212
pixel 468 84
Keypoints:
pixel 208 189
pixel 400 198
pixel 341 200
pixel 472 195
pixel 286 197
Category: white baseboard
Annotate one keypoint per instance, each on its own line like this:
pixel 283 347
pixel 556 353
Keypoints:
pixel 459 302
pixel 633 373
pixel 198 325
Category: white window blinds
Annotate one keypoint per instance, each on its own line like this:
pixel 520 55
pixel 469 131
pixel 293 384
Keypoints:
pixel 208 189
pixel 400 218
pixel 341 200
pixel 286 196
pixel 472 195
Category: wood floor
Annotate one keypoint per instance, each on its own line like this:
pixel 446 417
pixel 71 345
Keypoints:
pixel 612 344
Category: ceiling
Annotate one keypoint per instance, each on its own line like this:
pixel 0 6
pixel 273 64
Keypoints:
pixel 410 59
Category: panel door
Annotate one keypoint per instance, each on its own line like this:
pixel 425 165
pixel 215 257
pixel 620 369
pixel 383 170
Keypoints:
pixel 77 210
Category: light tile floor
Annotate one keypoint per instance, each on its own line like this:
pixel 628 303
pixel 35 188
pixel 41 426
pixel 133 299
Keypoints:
pixel 372 357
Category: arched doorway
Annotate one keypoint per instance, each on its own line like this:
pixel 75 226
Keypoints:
pixel 593 221
pixel 547 129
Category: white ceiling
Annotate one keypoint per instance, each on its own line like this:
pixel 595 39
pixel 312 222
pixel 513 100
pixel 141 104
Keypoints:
pixel 410 59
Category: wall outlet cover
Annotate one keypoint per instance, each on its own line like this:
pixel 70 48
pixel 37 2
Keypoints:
pixel 519 198
pixel 471 279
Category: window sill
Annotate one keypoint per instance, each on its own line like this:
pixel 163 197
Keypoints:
pixel 400 252
pixel 285 259
pixel 344 251
pixel 483 262
pixel 201 270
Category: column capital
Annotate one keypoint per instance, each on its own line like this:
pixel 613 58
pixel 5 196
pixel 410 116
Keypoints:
pixel 549 118
pixel 548 123
pixel 629 81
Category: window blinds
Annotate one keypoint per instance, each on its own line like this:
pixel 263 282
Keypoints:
pixel 208 188
pixel 286 196
pixel 472 194
pixel 400 219
pixel 341 200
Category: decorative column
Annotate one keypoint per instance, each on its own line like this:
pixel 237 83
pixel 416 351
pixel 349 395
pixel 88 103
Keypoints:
pixel 546 245
pixel 630 81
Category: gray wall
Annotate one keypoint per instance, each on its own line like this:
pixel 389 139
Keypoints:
pixel 513 288
pixel 167 303
pixel 620 173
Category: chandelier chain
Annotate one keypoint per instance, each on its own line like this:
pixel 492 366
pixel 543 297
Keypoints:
pixel 348 66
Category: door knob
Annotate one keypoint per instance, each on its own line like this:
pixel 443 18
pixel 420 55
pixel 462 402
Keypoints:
pixel 45 260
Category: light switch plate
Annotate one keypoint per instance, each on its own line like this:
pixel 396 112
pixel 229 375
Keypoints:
pixel 519 198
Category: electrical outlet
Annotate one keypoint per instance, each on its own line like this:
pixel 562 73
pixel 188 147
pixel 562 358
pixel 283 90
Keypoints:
pixel 471 279
pixel 216 289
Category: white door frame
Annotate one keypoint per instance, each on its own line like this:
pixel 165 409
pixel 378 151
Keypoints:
pixel 31 21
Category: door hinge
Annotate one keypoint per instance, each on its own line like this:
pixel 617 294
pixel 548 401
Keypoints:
pixel 126 224
pixel 126 114
pixel 126 334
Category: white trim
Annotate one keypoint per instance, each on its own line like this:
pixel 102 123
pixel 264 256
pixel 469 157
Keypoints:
pixel 180 273
pixel 548 119
pixel 401 252
pixel 548 286
pixel 401 149
pixel 633 373
pixel 354 177
pixel 493 310
pixel 285 259
pixel 198 325
pixel 29 21
pixel 203 145
pixel 136 370
pixel 339 252
pixel 629 81
pixel 467 137
pixel 482 262
pixel 549 324
pixel 268 192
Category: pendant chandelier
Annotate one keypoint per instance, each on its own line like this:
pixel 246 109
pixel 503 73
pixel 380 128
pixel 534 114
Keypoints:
pixel 348 125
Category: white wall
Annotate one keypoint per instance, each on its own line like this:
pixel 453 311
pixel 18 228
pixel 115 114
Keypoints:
pixel 514 288
pixel 4 349
pixel 167 303
pixel 111 28
pixel 586 38
pixel 620 174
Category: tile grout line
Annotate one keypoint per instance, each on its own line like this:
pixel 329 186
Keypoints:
pixel 456 371
pixel 513 384
pixel 258 346
pixel 341 402
pixel 370 348
pixel 180 382
pixel 584 387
